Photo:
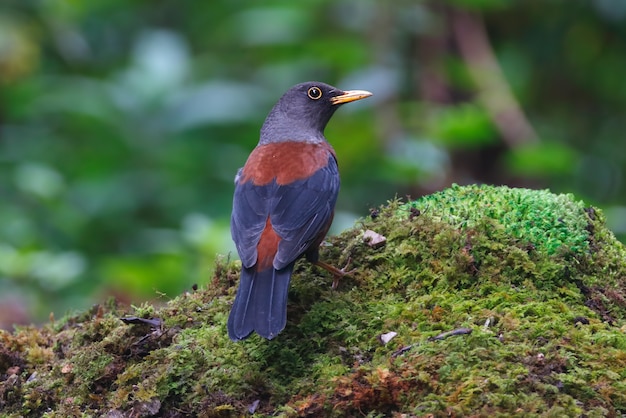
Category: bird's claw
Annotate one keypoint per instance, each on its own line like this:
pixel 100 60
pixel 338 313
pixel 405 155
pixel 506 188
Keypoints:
pixel 337 273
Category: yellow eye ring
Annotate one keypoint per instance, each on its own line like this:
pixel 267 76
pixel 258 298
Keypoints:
pixel 314 93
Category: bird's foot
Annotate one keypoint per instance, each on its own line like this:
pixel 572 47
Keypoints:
pixel 337 273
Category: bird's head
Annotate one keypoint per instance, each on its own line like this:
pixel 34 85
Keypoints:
pixel 302 113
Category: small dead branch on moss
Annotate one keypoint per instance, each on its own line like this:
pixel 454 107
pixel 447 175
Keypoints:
pixel 402 350
pixel 444 335
pixel 157 336
pixel 134 320
pixel 439 337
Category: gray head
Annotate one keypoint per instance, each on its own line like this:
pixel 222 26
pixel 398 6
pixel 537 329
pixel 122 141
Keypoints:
pixel 302 113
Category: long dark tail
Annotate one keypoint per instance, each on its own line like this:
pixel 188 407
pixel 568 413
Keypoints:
pixel 260 304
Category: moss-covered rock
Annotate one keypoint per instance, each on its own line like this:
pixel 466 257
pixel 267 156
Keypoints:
pixel 503 301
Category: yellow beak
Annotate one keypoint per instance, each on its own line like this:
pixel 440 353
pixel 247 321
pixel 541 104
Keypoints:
pixel 350 96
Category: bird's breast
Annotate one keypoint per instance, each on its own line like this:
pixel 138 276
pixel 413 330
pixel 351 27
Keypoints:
pixel 285 162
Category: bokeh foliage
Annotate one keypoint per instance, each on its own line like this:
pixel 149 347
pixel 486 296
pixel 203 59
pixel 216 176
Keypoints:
pixel 122 123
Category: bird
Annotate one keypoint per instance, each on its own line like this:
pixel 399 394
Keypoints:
pixel 283 204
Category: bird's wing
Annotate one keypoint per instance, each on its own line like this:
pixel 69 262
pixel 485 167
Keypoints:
pixel 303 211
pixel 251 208
pixel 299 212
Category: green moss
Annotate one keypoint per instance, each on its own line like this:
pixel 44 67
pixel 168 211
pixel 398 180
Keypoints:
pixel 551 223
pixel 536 277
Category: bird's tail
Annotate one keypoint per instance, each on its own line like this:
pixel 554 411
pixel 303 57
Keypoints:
pixel 260 304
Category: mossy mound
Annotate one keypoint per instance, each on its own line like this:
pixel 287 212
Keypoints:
pixel 534 284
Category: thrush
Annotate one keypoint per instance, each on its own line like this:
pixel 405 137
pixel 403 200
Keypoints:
pixel 283 204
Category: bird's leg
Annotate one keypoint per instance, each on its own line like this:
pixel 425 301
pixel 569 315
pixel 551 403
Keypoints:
pixel 337 273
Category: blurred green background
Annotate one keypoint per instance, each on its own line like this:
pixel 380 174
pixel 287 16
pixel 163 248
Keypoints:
pixel 122 123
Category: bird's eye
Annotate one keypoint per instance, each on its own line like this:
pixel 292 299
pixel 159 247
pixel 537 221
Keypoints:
pixel 314 93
